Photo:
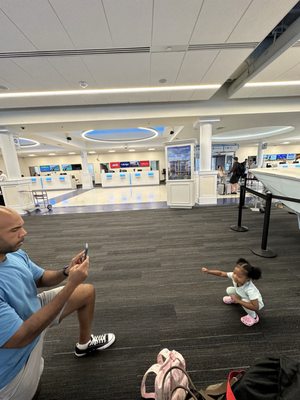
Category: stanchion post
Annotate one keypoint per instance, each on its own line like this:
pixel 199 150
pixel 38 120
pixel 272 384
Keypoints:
pixel 263 251
pixel 239 227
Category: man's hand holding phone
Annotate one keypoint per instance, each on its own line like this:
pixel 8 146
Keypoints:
pixel 77 260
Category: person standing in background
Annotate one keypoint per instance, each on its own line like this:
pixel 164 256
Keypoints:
pixel 3 177
pixel 234 171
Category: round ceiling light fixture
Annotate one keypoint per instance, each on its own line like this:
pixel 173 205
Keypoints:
pixel 130 135
pixel 25 143
pixel 252 133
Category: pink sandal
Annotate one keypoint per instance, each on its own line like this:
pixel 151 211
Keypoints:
pixel 228 300
pixel 249 321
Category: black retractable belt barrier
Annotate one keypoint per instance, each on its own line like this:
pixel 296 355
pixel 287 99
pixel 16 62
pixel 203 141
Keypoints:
pixel 263 251
pixel 239 227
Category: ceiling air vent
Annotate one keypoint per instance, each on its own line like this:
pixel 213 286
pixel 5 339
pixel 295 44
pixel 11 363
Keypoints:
pixel 79 52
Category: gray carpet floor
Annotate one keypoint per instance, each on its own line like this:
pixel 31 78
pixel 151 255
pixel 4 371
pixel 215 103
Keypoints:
pixel 145 266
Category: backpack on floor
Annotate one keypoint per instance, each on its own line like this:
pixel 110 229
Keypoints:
pixel 166 381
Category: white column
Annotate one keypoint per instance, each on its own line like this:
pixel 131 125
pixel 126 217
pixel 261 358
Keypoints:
pixel 16 190
pixel 87 181
pixel 10 157
pixel 205 146
pixel 260 160
pixel 207 180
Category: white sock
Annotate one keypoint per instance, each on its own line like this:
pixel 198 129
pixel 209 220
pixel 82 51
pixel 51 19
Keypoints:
pixel 83 346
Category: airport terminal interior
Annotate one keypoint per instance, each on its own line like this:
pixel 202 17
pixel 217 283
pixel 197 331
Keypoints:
pixel 121 123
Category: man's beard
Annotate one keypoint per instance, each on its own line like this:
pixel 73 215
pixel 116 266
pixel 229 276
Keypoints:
pixel 6 248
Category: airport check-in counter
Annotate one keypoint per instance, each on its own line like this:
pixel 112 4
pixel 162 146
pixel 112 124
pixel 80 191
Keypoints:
pixel 135 178
pixel 53 182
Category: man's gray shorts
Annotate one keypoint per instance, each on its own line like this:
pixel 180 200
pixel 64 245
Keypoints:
pixel 24 385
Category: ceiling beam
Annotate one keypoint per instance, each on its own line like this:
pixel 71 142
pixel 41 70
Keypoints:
pixel 284 42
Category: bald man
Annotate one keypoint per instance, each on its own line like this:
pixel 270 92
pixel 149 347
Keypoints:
pixel 26 315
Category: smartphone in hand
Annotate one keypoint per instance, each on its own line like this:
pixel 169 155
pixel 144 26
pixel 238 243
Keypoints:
pixel 86 250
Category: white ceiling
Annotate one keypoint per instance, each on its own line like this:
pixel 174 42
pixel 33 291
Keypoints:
pixel 52 45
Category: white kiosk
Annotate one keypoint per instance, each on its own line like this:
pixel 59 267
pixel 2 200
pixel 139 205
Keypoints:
pixel 180 175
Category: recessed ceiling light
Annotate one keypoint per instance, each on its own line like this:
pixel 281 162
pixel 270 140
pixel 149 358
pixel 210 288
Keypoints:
pixel 111 151
pixel 209 120
pixel 285 143
pixel 146 89
pixel 71 152
pixel 3 130
pixel 131 150
pixel 31 155
pixel 267 84
pixel 151 149
pixel 52 154
pixel 92 152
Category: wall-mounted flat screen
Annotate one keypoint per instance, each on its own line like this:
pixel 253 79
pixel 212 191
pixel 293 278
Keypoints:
pixel 76 167
pixel 67 167
pixel 281 156
pixel 54 167
pixel 272 157
pixel 45 168
pixel 291 156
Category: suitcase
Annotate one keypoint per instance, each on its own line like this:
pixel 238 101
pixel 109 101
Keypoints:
pixel 228 188
pixel 221 188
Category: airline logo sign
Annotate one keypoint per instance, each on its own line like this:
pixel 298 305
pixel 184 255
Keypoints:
pixel 144 163
pixel 129 164
pixel 113 165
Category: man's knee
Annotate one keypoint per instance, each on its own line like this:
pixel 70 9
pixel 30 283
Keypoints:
pixel 87 290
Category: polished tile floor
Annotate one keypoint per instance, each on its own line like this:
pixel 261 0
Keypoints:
pixel 113 199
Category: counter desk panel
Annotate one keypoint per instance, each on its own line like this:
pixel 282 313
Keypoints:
pixel 137 178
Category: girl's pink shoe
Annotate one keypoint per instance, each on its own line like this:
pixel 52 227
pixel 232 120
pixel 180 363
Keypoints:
pixel 228 300
pixel 249 321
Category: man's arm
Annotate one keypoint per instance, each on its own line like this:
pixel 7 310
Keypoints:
pixel 215 272
pixel 37 322
pixel 52 278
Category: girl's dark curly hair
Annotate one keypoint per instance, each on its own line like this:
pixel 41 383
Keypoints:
pixel 252 272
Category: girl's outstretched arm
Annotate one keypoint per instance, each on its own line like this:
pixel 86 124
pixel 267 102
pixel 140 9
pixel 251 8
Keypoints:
pixel 214 272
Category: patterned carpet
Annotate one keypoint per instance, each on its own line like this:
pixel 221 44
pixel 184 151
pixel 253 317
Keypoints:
pixel 145 266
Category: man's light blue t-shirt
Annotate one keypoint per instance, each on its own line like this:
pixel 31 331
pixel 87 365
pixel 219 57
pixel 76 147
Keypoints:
pixel 18 301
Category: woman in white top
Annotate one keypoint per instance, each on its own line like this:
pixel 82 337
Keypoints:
pixel 243 291
pixel 221 174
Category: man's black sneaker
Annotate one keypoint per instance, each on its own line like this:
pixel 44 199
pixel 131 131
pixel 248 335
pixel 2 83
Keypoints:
pixel 99 342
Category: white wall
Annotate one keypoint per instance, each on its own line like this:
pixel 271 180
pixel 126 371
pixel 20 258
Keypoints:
pixel 95 159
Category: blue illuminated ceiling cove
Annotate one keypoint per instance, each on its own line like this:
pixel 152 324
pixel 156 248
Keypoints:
pixel 126 135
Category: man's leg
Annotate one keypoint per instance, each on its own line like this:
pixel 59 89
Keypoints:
pixel 25 384
pixel 82 301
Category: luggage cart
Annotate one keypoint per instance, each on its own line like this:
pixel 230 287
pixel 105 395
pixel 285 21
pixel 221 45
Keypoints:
pixel 41 199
